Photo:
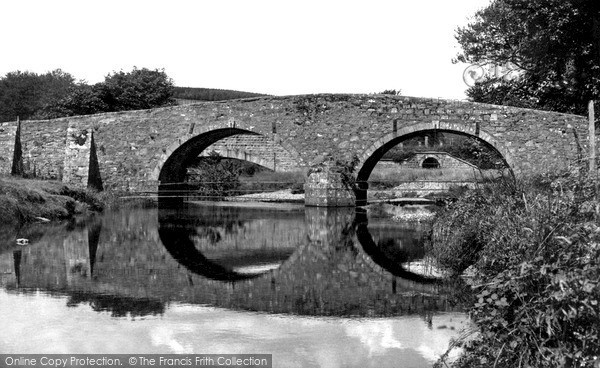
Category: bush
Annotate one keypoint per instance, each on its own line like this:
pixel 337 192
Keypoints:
pixel 214 176
pixel 535 251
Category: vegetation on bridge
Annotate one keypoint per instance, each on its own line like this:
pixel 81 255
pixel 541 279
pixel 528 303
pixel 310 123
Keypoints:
pixel 534 250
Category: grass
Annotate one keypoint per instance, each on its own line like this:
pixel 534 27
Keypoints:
pixel 268 181
pixel 27 200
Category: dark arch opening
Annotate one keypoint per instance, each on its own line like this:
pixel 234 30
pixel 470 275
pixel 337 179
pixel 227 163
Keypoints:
pixel 174 170
pixel 430 163
pixel 186 174
pixel 369 164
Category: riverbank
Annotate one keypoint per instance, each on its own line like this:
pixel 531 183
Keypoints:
pixel 533 249
pixel 28 200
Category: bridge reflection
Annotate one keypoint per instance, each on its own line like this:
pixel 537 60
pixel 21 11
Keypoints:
pixel 313 261
pixel 229 243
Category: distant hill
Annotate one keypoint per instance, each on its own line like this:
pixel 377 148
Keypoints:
pixel 191 94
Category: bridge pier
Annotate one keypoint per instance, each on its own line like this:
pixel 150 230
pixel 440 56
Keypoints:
pixel 328 186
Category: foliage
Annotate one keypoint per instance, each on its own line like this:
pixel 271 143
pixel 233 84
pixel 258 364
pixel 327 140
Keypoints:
pixel 554 43
pixel 25 94
pixel 136 90
pixel 211 94
pixel 214 176
pixel 55 94
pixel 476 152
pixel 535 250
pixel 392 92
pixel 23 200
pixel 470 149
pixel 82 99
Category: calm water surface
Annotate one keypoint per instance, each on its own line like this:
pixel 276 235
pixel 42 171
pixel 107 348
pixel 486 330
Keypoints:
pixel 314 287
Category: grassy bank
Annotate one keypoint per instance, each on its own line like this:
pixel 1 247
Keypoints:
pixel 26 200
pixel 534 251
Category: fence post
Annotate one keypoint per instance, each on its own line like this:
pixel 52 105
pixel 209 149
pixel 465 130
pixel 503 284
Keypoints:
pixel 592 139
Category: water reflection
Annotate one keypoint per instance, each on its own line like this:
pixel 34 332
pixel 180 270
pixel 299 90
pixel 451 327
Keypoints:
pixel 217 265
pixel 230 243
pixel 313 261
pixel 393 245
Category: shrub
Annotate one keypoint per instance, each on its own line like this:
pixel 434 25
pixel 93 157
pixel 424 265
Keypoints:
pixel 535 251
pixel 214 176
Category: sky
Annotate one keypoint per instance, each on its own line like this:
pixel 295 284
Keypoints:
pixel 278 47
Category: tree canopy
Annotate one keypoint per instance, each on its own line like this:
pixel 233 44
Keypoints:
pixel 136 90
pixel 25 94
pixel 56 94
pixel 554 43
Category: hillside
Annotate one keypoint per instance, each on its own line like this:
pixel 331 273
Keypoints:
pixel 210 94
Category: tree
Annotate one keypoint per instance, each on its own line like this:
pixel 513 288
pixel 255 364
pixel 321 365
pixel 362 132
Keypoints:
pixel 24 94
pixel 82 99
pixel 391 92
pixel 138 89
pixel 554 43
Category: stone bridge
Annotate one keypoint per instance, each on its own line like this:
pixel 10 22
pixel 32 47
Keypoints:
pixel 337 139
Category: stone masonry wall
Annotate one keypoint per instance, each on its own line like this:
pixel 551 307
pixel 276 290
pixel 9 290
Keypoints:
pixel 255 148
pixel 44 144
pixel 77 156
pixel 8 132
pixel 445 160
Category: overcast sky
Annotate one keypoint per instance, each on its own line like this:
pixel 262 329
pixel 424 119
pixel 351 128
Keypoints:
pixel 276 47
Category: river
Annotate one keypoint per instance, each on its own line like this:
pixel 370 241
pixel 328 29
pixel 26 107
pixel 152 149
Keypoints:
pixel 314 287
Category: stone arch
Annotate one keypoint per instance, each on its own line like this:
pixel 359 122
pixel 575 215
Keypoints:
pixel 430 162
pixel 371 156
pixel 171 166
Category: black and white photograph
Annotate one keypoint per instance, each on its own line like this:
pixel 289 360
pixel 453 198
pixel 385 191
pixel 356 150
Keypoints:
pixel 300 184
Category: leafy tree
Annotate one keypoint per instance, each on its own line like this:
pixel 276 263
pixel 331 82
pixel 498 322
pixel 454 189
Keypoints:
pixel 82 99
pixel 25 94
pixel 138 89
pixel 391 92
pixel 554 43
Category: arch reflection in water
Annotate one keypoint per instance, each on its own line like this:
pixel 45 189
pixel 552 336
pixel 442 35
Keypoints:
pixel 303 261
pixel 394 249
pixel 231 243
pixel 330 266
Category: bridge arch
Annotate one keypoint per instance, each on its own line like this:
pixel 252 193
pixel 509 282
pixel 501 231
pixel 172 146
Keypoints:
pixel 172 165
pixel 371 156
pixel 243 156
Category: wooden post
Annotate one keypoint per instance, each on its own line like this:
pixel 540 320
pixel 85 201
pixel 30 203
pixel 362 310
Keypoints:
pixel 592 139
pixel 593 174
